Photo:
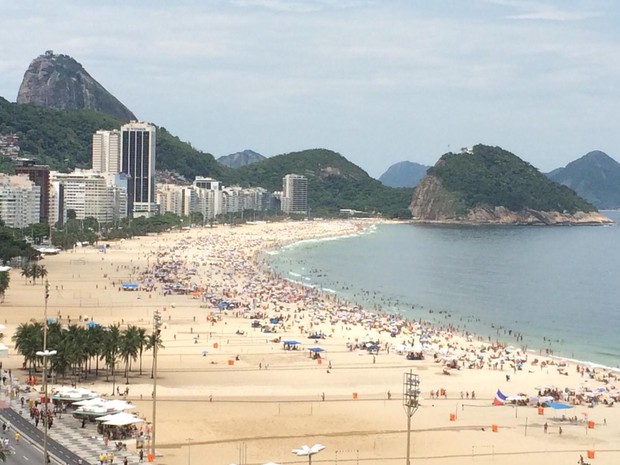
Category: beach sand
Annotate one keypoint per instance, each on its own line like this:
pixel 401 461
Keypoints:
pixel 215 409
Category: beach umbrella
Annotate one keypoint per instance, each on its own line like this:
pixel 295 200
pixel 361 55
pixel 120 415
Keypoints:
pixel 309 451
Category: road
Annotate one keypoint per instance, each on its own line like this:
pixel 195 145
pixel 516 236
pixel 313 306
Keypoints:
pixel 29 451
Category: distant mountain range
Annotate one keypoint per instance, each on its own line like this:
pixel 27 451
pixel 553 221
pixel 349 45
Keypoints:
pixel 403 174
pixel 60 82
pixel 239 159
pixel 595 177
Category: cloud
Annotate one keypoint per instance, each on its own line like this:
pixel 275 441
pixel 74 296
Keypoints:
pixel 546 11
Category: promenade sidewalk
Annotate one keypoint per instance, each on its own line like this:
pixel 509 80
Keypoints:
pixel 84 442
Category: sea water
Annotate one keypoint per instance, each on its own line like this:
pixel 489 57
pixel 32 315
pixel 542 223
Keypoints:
pixel 557 287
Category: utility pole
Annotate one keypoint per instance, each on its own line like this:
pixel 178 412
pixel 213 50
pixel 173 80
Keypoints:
pixel 156 333
pixel 411 396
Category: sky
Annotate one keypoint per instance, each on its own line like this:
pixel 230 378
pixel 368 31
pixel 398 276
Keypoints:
pixel 378 81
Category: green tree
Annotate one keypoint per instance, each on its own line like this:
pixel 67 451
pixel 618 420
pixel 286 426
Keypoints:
pixel 129 346
pixel 28 339
pixel 111 351
pixel 5 279
pixel 153 339
pixel 143 338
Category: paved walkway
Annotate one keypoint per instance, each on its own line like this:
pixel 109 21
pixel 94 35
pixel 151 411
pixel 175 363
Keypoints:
pixel 84 443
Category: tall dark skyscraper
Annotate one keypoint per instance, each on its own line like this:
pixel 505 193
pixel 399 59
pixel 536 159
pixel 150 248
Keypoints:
pixel 138 144
pixel 40 175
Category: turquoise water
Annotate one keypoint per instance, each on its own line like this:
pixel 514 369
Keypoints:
pixel 557 287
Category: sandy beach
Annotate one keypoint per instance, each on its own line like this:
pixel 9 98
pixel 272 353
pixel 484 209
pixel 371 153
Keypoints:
pixel 229 392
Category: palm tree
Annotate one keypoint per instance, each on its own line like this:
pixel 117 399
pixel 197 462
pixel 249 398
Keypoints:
pixel 111 344
pixel 5 279
pixel 143 338
pixel 72 351
pixel 34 270
pixel 154 338
pixel 28 339
pixel 95 336
pixel 129 347
pixel 26 272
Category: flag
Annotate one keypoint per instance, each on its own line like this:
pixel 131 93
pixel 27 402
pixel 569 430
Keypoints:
pixel 500 398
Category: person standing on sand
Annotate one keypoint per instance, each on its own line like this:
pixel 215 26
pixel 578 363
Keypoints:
pixel 545 426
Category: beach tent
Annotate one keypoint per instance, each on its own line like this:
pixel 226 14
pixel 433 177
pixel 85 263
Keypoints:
pixel 288 345
pixel 316 349
pixel 129 286
pixel 557 405
pixel 120 419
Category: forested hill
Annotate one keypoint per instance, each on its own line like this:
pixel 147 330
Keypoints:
pixel 333 183
pixel 490 185
pixel 495 177
pixel 62 139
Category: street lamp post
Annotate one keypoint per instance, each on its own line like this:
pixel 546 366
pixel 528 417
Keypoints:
pixel 156 331
pixel 189 451
pixel 45 353
pixel 411 396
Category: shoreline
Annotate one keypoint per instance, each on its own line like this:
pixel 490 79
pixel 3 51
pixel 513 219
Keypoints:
pixel 482 333
pixel 270 398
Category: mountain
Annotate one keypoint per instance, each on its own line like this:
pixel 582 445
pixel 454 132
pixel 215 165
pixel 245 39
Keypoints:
pixel 334 183
pixel 403 174
pixel 490 185
pixel 239 159
pixel 59 82
pixel 595 177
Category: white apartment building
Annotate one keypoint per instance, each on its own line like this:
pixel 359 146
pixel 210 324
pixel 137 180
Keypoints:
pixel 295 194
pixel 180 200
pixel 106 151
pixel 89 194
pixel 20 201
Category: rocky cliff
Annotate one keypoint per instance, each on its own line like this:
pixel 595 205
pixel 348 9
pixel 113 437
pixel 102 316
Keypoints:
pixel 61 83
pixel 486 185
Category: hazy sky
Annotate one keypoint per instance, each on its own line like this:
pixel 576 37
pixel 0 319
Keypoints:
pixel 379 81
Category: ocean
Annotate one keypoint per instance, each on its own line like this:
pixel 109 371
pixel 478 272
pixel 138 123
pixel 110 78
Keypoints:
pixel 558 288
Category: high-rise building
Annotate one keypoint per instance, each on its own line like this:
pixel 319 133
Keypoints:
pixel 138 161
pixel 89 194
pixel 40 175
pixel 295 194
pixel 19 201
pixel 107 151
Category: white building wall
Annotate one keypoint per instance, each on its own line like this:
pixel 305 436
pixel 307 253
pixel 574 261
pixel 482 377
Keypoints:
pixel 20 201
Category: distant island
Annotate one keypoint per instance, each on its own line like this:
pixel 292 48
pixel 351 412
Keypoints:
pixel 489 185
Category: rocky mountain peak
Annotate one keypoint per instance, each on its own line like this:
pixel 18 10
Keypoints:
pixel 60 82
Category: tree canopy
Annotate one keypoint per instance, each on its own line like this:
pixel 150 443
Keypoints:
pixel 491 176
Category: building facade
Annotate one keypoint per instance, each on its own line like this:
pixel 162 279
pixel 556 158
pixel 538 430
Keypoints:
pixel 138 157
pixel 88 194
pixel 40 175
pixel 19 201
pixel 106 152
pixel 295 194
